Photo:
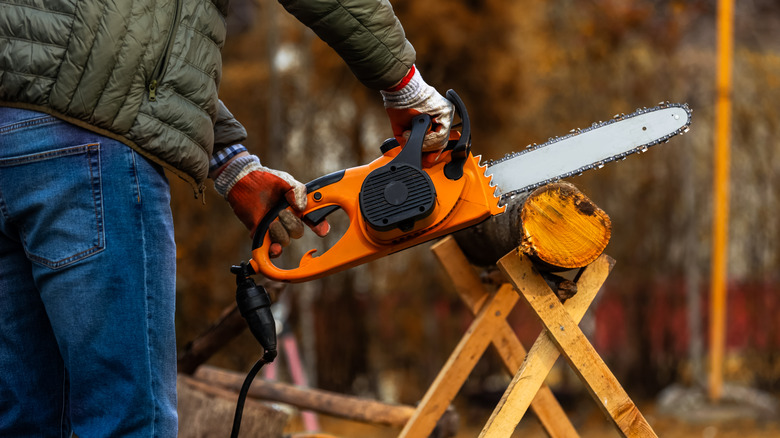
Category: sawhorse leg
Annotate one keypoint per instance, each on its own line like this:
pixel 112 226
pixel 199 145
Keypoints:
pixel 562 335
pixel 489 326
pixel 470 288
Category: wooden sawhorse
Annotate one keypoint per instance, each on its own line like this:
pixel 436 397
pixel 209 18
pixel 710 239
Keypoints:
pixel 561 336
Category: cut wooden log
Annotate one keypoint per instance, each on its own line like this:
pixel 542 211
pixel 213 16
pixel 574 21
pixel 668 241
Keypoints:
pixel 556 225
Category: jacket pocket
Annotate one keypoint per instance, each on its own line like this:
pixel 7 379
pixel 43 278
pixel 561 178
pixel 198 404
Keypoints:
pixel 162 63
pixel 54 199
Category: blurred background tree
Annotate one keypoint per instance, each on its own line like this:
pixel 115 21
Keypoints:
pixel 527 71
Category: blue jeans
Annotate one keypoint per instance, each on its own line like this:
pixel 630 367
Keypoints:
pixel 87 285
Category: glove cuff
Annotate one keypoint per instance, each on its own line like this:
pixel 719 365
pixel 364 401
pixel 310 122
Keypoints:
pixel 405 80
pixel 415 91
pixel 236 170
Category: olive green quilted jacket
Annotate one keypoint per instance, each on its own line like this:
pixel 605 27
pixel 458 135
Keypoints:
pixel 146 72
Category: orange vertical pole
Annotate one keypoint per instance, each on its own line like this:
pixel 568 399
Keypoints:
pixel 719 267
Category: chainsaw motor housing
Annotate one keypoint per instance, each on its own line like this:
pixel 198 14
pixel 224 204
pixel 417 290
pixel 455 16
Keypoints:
pixel 400 193
pixel 399 200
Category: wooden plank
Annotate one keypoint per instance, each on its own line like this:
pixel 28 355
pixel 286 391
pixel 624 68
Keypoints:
pixel 542 355
pixel 337 405
pixel 575 347
pixel 460 363
pixel 467 283
pixel 472 291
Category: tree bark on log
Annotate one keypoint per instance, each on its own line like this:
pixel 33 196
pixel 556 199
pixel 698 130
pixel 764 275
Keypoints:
pixel 556 225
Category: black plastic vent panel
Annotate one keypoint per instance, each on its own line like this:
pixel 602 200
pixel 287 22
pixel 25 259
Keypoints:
pixel 396 197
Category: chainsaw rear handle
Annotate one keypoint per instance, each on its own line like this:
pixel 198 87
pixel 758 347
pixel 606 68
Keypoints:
pixel 313 218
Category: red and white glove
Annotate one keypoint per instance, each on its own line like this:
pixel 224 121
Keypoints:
pixel 253 189
pixel 411 97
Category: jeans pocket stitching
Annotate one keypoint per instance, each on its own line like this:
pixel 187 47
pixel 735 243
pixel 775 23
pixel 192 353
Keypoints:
pixel 40 156
pixel 22 124
pixel 93 158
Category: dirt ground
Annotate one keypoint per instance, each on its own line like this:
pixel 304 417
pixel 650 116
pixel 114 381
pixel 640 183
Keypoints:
pixel 589 424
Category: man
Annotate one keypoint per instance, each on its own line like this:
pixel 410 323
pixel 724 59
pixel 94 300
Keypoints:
pixel 97 97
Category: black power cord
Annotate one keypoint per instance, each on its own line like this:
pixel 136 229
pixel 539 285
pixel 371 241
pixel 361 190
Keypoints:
pixel 242 396
pixel 255 306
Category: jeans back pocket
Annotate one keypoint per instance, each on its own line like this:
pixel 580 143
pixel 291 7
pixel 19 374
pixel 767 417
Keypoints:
pixel 54 200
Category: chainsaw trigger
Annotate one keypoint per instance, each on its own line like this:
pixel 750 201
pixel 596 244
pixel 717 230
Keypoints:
pixel 317 216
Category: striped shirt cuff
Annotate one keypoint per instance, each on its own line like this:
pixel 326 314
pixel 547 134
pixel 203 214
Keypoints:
pixel 222 156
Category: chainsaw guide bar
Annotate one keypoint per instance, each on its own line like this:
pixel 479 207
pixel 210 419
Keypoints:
pixel 601 143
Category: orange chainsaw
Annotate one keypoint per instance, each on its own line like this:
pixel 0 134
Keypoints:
pixel 402 199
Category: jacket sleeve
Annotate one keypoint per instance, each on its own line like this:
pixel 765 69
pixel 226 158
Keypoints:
pixel 365 33
pixel 227 130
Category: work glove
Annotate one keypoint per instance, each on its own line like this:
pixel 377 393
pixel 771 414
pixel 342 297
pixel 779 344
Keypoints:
pixel 411 97
pixel 252 190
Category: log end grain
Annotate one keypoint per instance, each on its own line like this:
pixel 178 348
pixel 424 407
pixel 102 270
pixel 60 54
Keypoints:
pixel 556 225
pixel 562 227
